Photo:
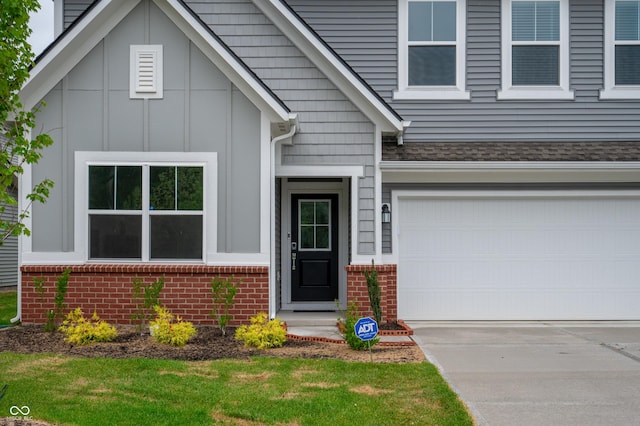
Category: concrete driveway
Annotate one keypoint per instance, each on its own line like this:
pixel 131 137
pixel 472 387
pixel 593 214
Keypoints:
pixel 584 373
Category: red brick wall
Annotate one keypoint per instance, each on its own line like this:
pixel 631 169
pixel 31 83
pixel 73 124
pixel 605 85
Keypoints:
pixel 357 290
pixel 107 289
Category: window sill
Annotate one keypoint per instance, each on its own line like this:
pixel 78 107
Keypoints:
pixel 536 93
pixel 620 92
pixel 453 94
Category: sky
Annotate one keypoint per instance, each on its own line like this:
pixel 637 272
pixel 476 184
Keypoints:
pixel 42 26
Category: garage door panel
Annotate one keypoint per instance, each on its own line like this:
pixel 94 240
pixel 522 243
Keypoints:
pixel 519 258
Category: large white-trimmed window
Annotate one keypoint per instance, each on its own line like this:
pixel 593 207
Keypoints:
pixel 622 50
pixel 535 50
pixel 146 206
pixel 431 51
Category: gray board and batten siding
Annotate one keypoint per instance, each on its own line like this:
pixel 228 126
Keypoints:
pixel 201 111
pixel 365 33
pixel 331 129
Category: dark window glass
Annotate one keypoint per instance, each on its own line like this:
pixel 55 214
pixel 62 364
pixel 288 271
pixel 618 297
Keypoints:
pixel 628 64
pixel 535 66
pixel 162 181
pixel 176 237
pixel 124 181
pixel 432 66
pixel 101 184
pixel 190 186
pixel 129 188
pixel 115 236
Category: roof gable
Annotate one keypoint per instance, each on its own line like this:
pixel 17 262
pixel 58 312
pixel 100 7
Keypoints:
pixel 75 43
pixel 330 63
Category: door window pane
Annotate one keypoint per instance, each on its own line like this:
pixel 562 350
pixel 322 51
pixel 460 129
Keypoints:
pixel 115 236
pixel 322 237
pixel 307 238
pixel 307 212
pixel 315 224
pixel 176 237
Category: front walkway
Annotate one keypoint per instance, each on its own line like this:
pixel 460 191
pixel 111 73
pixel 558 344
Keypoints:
pixel 572 373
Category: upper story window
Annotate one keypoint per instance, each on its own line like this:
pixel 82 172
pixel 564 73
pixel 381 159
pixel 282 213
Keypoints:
pixel 622 50
pixel 535 50
pixel 431 50
pixel 145 207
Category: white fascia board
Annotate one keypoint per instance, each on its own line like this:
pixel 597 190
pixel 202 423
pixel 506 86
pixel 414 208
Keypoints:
pixel 75 45
pixel 509 171
pixel 333 68
pixel 225 61
pixel 496 172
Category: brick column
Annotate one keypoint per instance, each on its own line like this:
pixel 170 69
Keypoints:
pixel 357 290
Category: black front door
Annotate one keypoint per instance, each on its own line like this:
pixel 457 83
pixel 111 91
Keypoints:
pixel 314 247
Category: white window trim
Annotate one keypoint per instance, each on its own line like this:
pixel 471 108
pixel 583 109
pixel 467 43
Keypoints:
pixel 560 92
pixel 154 90
pixel 207 160
pixel 611 91
pixel 406 92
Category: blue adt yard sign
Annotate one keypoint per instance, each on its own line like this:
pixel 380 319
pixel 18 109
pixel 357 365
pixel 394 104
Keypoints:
pixel 366 328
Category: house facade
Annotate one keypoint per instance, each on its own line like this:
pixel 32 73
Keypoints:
pixel 484 154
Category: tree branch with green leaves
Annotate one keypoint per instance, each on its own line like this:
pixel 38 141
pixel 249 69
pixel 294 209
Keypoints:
pixel 18 146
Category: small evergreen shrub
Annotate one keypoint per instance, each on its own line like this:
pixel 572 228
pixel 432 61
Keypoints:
pixel 262 333
pixel 146 297
pixel 170 329
pixel 373 288
pixel 354 342
pixel 223 293
pixel 81 331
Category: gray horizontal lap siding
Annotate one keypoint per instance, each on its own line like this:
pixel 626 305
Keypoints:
pixel 73 9
pixel 364 33
pixel 332 131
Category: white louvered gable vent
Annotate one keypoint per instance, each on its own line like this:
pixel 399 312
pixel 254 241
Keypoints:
pixel 146 72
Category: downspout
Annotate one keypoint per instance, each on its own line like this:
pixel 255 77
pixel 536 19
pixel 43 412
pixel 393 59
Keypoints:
pixel 293 119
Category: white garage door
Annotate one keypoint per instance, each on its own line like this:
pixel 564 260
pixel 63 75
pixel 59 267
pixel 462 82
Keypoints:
pixel 518 256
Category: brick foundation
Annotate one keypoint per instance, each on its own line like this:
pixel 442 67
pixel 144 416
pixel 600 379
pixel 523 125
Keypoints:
pixel 107 289
pixel 357 290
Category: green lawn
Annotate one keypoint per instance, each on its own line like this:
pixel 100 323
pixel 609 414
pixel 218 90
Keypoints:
pixel 8 304
pixel 85 391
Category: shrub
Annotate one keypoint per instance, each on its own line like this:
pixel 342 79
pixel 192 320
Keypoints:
pixel 262 333
pixel 170 329
pixel 146 298
pixel 62 283
pixel 373 288
pixel 354 342
pixel 81 331
pixel 223 292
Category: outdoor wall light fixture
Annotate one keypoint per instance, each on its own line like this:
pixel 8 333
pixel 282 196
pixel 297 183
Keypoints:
pixel 386 213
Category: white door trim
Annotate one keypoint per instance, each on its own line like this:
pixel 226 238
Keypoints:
pixel 311 187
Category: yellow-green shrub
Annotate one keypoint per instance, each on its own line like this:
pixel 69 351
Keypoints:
pixel 81 331
pixel 262 333
pixel 167 328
